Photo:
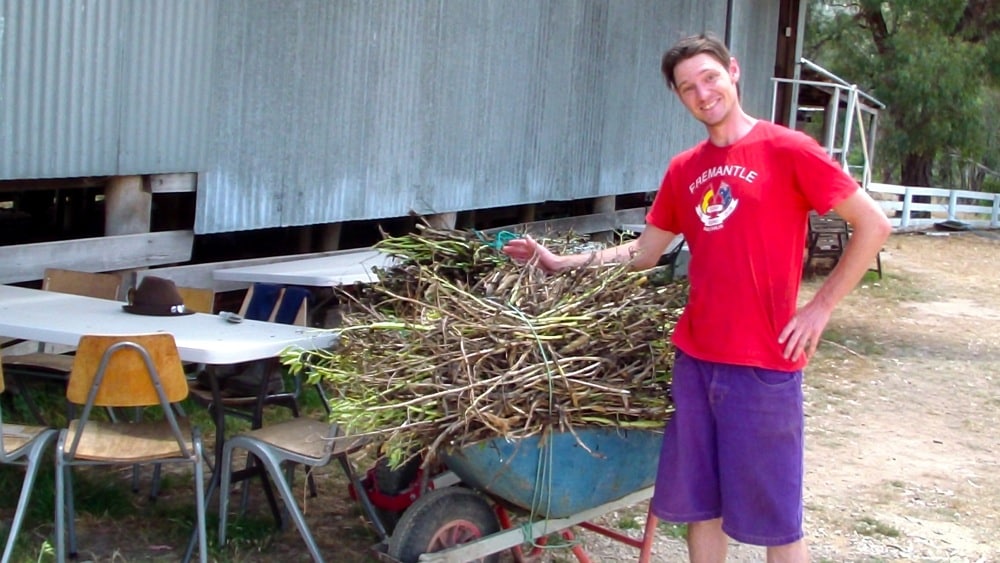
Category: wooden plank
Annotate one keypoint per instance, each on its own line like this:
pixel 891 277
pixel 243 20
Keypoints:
pixel 173 183
pixel 27 262
pixel 886 188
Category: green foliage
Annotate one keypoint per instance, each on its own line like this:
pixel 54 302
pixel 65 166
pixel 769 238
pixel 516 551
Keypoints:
pixel 932 62
pixel 628 522
pixel 991 185
pixel 672 530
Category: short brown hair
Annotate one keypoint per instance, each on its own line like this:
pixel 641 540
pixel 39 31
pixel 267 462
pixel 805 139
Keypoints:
pixel 690 46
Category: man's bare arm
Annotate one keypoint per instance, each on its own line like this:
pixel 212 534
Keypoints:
pixel 644 252
pixel 871 228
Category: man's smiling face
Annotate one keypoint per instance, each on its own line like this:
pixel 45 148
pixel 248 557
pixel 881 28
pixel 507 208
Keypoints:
pixel 707 88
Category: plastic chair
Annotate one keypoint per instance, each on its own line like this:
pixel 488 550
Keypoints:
pixel 126 372
pixel 22 445
pixel 302 441
pixel 263 302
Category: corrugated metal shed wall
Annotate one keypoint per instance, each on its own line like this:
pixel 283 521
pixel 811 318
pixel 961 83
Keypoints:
pixel 331 111
pixel 754 47
pixel 103 87
pixel 313 111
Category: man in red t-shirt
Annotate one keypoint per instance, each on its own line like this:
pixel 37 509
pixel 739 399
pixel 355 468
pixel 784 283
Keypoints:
pixel 732 457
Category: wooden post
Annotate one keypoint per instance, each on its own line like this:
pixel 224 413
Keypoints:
pixel 952 204
pixel 442 220
pixel 329 236
pixel 304 237
pixel 127 206
pixel 605 206
pixel 904 220
pixel 527 213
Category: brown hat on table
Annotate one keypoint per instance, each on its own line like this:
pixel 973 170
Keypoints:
pixel 156 296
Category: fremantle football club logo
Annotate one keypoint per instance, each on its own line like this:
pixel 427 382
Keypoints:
pixel 716 206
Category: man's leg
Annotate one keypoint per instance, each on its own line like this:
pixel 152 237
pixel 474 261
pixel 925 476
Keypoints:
pixel 795 552
pixel 707 543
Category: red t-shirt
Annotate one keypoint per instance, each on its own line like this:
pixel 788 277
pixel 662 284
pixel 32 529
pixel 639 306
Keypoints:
pixel 743 210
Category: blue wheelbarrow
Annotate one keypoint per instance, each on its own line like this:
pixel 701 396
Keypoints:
pixel 557 480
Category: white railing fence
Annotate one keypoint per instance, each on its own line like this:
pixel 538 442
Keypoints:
pixel 975 209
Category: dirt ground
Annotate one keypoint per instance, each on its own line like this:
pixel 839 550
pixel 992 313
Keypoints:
pixel 903 409
pixel 903 403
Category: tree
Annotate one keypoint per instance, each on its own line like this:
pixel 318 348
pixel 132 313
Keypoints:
pixel 934 63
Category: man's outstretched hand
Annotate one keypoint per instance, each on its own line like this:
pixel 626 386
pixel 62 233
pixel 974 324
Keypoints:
pixel 525 249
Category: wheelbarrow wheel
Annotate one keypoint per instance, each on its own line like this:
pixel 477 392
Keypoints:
pixel 441 519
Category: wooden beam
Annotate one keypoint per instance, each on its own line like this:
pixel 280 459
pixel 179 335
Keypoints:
pixel 173 183
pixel 27 262
pixel 53 184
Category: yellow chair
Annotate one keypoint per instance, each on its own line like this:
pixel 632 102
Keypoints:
pixel 22 445
pixel 198 299
pixel 87 284
pixel 126 372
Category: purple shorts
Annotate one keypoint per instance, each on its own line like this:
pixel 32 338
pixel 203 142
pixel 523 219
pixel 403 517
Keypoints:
pixel 734 449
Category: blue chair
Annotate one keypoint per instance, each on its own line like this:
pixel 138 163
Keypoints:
pixel 260 301
pixel 246 389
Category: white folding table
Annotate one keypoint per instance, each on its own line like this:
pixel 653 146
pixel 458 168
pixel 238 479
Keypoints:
pixel 59 318
pixel 339 268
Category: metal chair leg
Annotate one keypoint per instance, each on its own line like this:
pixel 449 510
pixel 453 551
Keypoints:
pixel 34 461
pixel 273 467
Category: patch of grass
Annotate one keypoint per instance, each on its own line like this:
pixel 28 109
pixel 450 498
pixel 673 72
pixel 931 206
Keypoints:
pixel 870 277
pixel 244 534
pixel 49 399
pixel 672 530
pixel 95 492
pixel 628 523
pixel 868 526
pixel 895 287
pixel 99 495
pixel 860 343
pixel 42 504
